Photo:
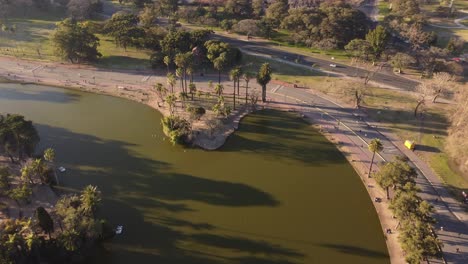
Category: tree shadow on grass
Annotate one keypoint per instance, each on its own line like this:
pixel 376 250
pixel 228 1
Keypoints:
pixel 433 122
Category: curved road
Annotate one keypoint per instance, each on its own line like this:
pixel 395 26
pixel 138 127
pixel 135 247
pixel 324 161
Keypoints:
pixel 354 125
pixel 384 77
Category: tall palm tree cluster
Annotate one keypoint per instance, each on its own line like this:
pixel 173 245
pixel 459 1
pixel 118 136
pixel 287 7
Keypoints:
pixel 58 236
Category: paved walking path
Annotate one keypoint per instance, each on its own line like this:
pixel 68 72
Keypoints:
pixel 360 131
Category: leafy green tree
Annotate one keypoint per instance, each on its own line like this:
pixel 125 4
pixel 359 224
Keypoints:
pixel 148 15
pixel 359 48
pixel 405 8
pixel 455 45
pixel 74 42
pixel 83 9
pixel 238 8
pixel 257 8
pixel 124 29
pixel 375 146
pixel 277 11
pixel 18 137
pixel 176 41
pixel 378 40
pixel 401 60
pixel 396 173
pixel 137 3
pixel 222 55
pixel 20 194
pixel 263 78
pixel 44 220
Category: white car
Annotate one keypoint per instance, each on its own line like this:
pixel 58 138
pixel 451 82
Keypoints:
pixel 333 65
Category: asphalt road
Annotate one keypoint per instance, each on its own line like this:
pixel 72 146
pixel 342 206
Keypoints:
pixel 384 77
pixel 449 214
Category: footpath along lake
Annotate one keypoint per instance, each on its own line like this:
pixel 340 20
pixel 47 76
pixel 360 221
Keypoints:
pixel 277 192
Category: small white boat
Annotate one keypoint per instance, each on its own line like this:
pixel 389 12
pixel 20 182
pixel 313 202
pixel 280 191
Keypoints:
pixel 119 230
pixel 62 169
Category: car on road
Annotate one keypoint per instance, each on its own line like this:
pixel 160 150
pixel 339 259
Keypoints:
pixel 333 65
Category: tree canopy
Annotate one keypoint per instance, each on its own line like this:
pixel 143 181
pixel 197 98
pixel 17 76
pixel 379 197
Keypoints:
pixel 75 42
pixel 18 137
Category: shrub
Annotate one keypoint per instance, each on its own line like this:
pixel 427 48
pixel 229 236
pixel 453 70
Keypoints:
pixel 177 129
pixel 196 112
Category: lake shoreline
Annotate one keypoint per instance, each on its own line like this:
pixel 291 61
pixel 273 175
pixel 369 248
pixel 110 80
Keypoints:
pixel 217 139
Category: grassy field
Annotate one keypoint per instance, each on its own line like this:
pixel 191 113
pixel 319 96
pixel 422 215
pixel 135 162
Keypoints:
pixel 31 40
pixel 444 35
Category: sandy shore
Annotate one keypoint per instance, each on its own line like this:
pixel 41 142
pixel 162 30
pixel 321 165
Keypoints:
pixel 138 86
pixel 133 85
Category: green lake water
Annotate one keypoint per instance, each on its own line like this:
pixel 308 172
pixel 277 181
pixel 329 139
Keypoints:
pixel 277 192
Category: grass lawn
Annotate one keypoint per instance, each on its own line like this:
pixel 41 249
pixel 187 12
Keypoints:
pixel 395 112
pixel 31 40
pixel 444 35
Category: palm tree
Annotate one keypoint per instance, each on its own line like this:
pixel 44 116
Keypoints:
pixel 171 101
pixel 193 88
pixel 171 81
pixel 167 61
pixel 49 155
pixel 160 91
pixel 90 198
pixel 263 78
pixel 247 76
pixel 180 74
pixel 219 89
pixel 375 146
pixel 219 63
pixel 234 75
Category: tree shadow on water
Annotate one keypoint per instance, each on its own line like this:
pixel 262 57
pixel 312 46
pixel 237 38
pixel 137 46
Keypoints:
pixel 354 250
pixel 147 241
pixel 116 170
pixel 146 196
pixel 37 95
pixel 276 134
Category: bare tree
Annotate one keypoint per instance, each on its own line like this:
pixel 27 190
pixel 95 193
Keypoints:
pixel 442 83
